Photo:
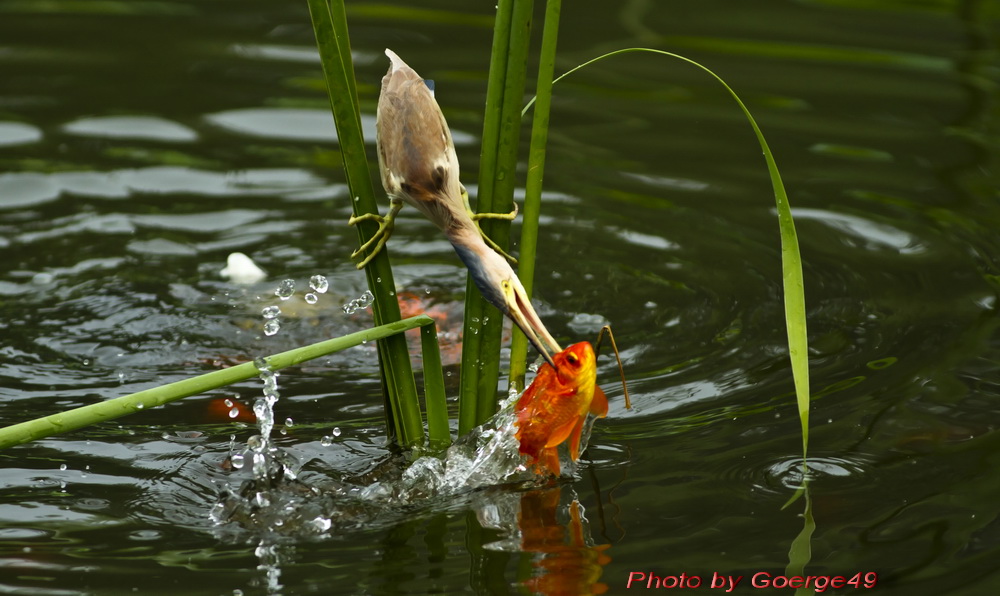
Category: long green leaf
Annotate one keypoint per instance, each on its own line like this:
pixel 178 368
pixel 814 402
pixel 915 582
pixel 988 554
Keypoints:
pixel 399 388
pixel 791 260
pixel 150 398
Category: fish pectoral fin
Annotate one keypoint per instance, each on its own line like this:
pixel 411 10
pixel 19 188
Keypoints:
pixel 559 434
pixel 599 404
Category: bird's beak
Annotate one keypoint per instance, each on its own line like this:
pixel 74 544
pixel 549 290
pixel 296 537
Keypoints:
pixel 524 316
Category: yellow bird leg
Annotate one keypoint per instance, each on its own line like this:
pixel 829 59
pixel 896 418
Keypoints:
pixel 381 236
pixel 478 216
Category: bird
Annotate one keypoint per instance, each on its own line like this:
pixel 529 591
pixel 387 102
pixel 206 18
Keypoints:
pixel 418 166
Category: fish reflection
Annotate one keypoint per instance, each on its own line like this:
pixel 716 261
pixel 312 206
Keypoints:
pixel 568 565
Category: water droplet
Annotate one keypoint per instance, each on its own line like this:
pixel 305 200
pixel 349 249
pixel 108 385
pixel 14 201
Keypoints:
pixel 63 467
pixel 271 327
pixel 288 422
pixel 237 461
pixel 139 406
pixel 270 312
pixel 233 413
pixel 363 301
pixel 326 441
pixel 261 364
pixel 336 431
pixel 285 289
pixel 319 284
pixel 311 298
pixel 228 402
pixel 321 524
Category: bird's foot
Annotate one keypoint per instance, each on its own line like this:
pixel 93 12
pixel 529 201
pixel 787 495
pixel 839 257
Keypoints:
pixel 505 216
pixel 374 244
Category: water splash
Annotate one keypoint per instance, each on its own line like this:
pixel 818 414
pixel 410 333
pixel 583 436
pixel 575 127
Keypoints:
pixel 363 301
pixel 487 456
pixel 275 501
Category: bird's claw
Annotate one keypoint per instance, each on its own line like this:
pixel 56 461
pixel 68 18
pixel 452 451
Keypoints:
pixel 379 238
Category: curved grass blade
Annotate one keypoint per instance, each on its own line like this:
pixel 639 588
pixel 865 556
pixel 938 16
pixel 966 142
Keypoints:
pixel 791 261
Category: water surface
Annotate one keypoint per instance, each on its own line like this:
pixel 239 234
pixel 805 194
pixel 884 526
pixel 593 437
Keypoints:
pixel 142 142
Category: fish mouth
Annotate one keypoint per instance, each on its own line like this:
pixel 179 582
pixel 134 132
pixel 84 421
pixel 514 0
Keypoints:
pixel 524 316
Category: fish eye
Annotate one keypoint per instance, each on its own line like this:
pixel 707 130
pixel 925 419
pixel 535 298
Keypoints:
pixel 572 359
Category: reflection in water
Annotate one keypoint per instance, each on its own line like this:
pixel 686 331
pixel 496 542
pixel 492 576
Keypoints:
pixel 567 564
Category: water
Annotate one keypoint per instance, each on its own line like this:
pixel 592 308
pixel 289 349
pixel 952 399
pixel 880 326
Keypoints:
pixel 142 145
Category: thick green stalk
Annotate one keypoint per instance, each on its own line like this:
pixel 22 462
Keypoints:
pixel 497 178
pixel 150 398
pixel 533 185
pixel 474 303
pixel 399 389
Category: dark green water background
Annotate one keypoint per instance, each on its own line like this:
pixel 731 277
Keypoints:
pixel 658 218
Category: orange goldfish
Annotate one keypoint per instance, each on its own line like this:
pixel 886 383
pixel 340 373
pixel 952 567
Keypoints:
pixel 555 407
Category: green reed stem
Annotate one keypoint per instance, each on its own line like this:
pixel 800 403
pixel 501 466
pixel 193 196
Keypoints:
pixel 533 184
pixel 398 387
pixel 435 402
pixel 791 260
pixel 150 398
pixel 497 177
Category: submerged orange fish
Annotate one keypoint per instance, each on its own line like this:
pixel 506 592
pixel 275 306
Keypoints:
pixel 555 407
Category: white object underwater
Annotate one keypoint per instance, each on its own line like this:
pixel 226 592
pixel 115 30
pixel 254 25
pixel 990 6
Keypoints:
pixel 240 269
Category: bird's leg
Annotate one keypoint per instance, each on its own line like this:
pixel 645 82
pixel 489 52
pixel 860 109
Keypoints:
pixel 381 236
pixel 478 216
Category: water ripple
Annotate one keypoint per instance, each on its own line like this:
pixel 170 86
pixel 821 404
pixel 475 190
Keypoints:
pixel 781 475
